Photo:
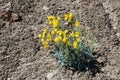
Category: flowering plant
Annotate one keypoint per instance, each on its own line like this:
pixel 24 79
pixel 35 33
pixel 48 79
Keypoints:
pixel 70 49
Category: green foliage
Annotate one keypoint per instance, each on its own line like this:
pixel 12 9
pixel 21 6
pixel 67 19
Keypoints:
pixel 74 59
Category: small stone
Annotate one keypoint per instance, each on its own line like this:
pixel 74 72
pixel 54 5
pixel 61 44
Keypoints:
pixel 2 24
pixel 118 35
pixel 101 59
pixel 14 17
pixel 7 7
pixel 51 75
pixel 45 8
pixel 8 79
pixel 2 15
pixel 114 28
pixel 112 62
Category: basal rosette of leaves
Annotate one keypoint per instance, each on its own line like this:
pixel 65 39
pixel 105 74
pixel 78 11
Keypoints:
pixel 70 49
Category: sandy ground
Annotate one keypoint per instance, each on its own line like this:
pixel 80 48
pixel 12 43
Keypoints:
pixel 23 58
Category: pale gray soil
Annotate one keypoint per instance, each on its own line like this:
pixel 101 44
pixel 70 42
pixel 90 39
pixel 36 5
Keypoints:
pixel 23 58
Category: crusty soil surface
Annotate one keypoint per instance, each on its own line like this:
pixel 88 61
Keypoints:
pixel 23 58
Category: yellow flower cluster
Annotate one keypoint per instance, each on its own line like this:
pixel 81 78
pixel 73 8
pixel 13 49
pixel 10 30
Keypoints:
pixel 68 17
pixel 54 21
pixel 77 23
pixel 60 35
pixel 76 39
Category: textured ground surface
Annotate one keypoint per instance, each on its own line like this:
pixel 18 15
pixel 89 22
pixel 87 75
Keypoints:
pixel 22 56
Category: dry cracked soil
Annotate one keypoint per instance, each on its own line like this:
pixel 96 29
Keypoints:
pixel 23 58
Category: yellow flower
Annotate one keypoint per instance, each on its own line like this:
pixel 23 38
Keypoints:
pixel 43 35
pixel 50 22
pixel 72 34
pixel 64 34
pixel 55 23
pixel 40 36
pixel 58 18
pixel 60 38
pixel 64 39
pixel 77 23
pixel 49 37
pixel 70 16
pixel 50 17
pixel 65 17
pixel 75 45
pixel 44 32
pixel 60 32
pixel 78 40
pixel 55 30
pixel 68 43
pixel 77 34
pixel 57 39
pixel 66 31
pixel 42 40
pixel 45 44
pixel 52 32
